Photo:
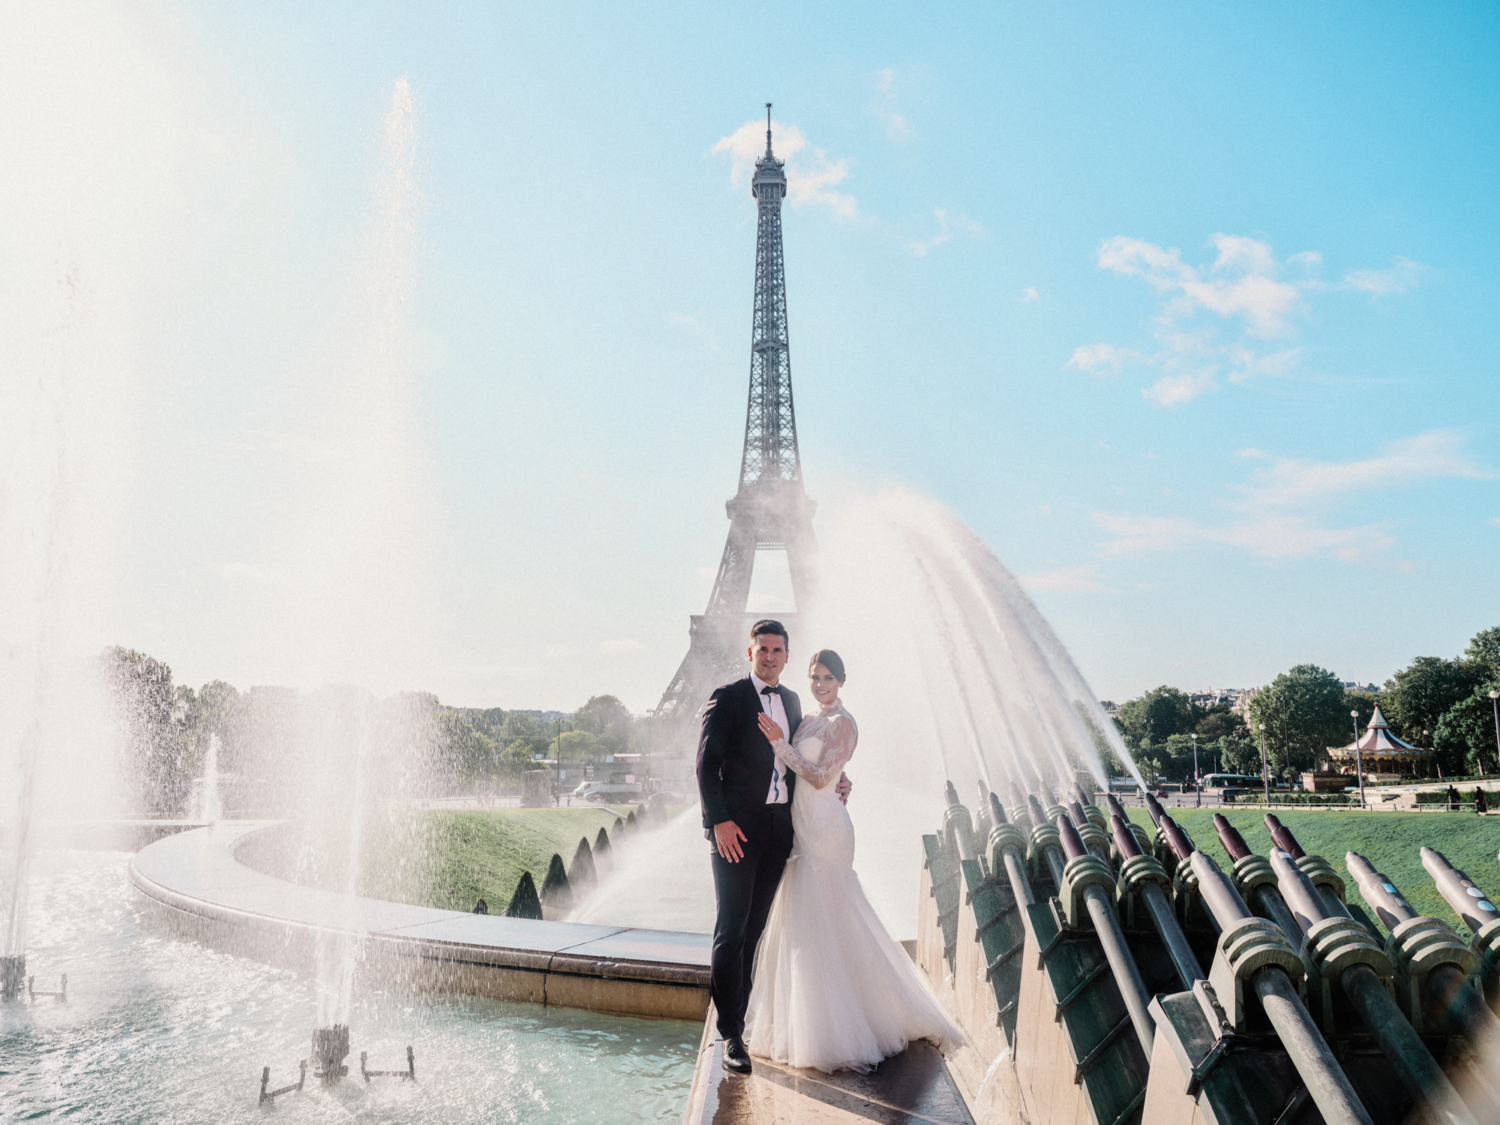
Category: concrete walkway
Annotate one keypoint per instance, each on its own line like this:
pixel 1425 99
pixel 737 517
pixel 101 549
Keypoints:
pixel 193 883
pixel 912 1088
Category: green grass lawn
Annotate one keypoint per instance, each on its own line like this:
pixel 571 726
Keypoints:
pixel 1390 841
pixel 476 854
pixel 444 859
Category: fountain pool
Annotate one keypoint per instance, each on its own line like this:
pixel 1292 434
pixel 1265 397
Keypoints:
pixel 165 1031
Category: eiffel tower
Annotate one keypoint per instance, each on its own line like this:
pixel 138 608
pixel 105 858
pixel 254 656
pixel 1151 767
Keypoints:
pixel 770 511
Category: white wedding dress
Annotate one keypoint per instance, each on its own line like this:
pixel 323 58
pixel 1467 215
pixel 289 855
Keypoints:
pixel 833 990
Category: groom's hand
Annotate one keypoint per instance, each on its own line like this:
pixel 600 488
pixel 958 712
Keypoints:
pixel 727 837
pixel 844 787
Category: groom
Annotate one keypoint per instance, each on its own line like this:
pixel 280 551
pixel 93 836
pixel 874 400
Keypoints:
pixel 747 813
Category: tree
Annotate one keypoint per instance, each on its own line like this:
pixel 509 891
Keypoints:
pixel 1415 699
pixel 608 720
pixel 151 716
pixel 1237 753
pixel 1218 722
pixel 1305 713
pixel 1156 716
pixel 576 745
pixel 1484 651
pixel 1465 736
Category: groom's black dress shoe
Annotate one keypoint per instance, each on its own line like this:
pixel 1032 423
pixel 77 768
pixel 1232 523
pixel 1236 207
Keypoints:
pixel 736 1057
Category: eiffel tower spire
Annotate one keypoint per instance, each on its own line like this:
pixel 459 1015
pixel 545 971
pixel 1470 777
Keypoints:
pixel 770 510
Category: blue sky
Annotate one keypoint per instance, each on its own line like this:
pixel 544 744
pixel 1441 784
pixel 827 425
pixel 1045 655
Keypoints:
pixel 1186 310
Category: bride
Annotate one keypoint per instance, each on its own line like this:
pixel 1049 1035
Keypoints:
pixel 833 991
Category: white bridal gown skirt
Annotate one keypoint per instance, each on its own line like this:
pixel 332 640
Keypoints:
pixel 833 991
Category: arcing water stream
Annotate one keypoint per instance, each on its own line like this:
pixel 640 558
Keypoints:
pixel 953 676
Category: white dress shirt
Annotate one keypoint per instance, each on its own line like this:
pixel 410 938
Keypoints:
pixel 772 705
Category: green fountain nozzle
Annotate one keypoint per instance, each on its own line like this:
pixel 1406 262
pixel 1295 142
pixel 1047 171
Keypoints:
pixel 330 1047
pixel 950 793
pixel 1114 806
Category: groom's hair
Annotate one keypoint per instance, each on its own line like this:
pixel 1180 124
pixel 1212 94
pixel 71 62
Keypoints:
pixel 768 625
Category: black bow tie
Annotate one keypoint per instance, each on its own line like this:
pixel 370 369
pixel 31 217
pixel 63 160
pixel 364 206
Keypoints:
pixel 771 690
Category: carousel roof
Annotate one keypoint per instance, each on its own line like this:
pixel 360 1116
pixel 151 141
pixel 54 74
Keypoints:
pixel 1379 742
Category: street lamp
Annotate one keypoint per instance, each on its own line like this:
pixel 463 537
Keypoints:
pixel 1495 705
pixel 1197 776
pixel 1265 766
pixel 1359 767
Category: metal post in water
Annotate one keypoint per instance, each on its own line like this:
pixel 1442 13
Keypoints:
pixel 12 976
pixel 1413 1063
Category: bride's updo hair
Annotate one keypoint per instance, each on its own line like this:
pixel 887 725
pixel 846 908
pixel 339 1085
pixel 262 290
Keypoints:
pixel 830 660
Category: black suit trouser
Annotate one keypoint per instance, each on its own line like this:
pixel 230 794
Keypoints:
pixel 745 891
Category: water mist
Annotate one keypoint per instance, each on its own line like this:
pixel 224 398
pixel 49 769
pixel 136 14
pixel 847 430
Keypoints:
pixel 954 675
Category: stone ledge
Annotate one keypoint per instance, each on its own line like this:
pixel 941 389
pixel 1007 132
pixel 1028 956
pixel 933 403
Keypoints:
pixel 193 884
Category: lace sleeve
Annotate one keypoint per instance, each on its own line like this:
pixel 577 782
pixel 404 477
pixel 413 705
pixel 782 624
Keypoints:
pixel 838 748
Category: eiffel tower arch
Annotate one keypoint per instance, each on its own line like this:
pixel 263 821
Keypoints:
pixel 770 511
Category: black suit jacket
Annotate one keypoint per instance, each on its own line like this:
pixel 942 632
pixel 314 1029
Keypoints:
pixel 735 759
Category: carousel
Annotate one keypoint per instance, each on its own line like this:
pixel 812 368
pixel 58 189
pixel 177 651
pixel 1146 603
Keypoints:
pixel 1380 752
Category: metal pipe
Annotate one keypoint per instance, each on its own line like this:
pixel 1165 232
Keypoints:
pixel 1447 984
pixel 1184 960
pixel 1465 899
pixel 1412 1061
pixel 1326 1082
pixel 1116 952
pixel 1015 869
pixel 1288 843
pixel 1051 855
pixel 1267 899
pixel 1283 837
pixel 1080 819
pixel 1315 1063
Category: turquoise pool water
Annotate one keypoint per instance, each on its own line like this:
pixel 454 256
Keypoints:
pixel 161 1030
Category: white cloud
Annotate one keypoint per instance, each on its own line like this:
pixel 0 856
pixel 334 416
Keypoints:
pixel 898 129
pixel 1170 390
pixel 1277 513
pixel 1223 317
pixel 1068 580
pixel 1296 481
pixel 1233 317
pixel 950 224
pixel 1102 358
pixel 1241 283
pixel 1402 275
pixel 811 174
pixel 1495 522
pixel 1029 295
